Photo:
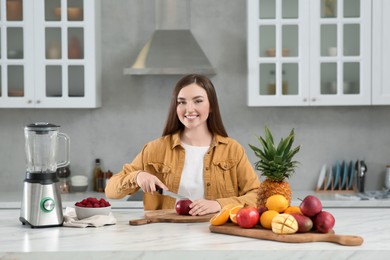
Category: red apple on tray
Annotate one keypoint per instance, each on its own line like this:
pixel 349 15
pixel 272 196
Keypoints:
pixel 310 206
pixel 248 217
pixel 183 207
pixel 323 222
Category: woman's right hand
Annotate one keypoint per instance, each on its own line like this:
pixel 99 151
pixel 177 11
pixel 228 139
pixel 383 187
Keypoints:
pixel 148 182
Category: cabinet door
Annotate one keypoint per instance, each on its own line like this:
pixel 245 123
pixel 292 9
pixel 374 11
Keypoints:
pixel 309 52
pixel 340 52
pixel 381 53
pixel 65 54
pixel 278 43
pixel 16 61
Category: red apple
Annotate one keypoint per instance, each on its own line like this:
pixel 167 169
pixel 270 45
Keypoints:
pixel 310 206
pixel 183 207
pixel 323 222
pixel 305 224
pixel 248 217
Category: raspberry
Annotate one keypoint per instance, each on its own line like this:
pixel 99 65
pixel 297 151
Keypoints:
pixel 93 200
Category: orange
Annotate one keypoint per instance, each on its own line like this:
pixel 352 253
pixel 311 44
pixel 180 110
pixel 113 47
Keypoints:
pixel 277 202
pixel 233 213
pixel 293 209
pixel 266 218
pixel 220 218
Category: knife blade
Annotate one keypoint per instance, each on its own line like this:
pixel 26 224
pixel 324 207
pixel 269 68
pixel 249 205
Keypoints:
pixel 171 194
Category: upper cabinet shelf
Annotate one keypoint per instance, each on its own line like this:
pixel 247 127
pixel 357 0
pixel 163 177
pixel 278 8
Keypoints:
pixel 50 54
pixel 309 52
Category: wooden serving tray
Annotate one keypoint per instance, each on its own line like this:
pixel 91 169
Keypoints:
pixel 260 233
pixel 168 215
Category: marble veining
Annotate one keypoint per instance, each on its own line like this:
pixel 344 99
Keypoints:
pixel 177 240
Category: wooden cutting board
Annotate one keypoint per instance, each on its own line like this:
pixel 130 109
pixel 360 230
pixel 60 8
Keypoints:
pixel 168 215
pixel 232 229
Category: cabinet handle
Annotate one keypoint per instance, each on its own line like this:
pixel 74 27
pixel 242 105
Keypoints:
pixel 313 99
pixel 38 101
pixel 305 100
pixel 29 101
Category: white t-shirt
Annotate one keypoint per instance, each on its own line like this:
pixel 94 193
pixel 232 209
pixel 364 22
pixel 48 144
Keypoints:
pixel 191 182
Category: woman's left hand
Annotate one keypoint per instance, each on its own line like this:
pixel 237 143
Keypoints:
pixel 203 207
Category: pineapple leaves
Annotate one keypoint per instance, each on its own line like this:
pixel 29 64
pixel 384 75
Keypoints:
pixel 276 161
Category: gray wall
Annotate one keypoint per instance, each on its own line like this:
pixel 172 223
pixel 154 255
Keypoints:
pixel 135 107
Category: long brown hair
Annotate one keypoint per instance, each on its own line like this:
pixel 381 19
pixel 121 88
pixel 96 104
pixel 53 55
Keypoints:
pixel 214 121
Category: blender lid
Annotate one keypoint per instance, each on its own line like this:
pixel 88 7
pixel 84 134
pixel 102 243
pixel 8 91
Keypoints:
pixel 42 126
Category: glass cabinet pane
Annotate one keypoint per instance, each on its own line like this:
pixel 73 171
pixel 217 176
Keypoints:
pixel 76 43
pixel 267 35
pixel 290 40
pixel 351 8
pixel 267 79
pixel 351 78
pixel 328 8
pixel 15 81
pixel 14 10
pixel 290 9
pixel 290 79
pixel 53 43
pixel 328 40
pixel 351 40
pixel 328 78
pixel 53 81
pixel 76 81
pixel 15 43
pixel 267 9
pixel 53 10
pixel 75 10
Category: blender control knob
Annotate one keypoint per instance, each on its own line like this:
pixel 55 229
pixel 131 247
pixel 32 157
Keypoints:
pixel 47 204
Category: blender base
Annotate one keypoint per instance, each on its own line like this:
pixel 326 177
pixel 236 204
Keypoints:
pixel 41 205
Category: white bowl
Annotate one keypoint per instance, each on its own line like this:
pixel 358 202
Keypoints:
pixel 79 180
pixel 83 212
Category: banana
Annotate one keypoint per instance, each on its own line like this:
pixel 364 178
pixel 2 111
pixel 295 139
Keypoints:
pixel 284 224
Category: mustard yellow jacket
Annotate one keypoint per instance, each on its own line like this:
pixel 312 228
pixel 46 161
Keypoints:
pixel 228 175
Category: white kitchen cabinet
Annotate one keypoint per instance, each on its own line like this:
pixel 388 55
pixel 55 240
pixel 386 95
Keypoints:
pixel 50 54
pixel 309 52
pixel 381 53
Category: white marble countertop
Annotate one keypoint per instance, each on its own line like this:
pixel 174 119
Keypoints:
pixel 12 200
pixel 186 241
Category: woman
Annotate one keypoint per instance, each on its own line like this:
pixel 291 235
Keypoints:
pixel 194 157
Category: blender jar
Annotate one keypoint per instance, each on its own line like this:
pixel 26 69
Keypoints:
pixel 41 147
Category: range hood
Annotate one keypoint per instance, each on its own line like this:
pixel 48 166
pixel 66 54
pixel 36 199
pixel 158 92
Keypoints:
pixel 172 49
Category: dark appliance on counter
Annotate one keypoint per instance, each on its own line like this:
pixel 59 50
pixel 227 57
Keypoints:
pixel 361 170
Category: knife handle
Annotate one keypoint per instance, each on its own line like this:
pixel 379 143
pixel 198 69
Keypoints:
pixel 159 189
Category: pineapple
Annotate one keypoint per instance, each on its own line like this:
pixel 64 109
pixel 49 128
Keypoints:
pixel 276 165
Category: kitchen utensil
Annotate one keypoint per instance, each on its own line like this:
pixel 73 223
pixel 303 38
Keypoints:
pixel 170 194
pixel 170 216
pixel 336 176
pixel 41 201
pixel 351 175
pixel 232 229
pixel 361 170
pixel 321 177
pixel 344 174
pixel 329 178
pixel 387 177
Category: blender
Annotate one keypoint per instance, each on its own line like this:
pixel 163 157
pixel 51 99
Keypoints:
pixel 41 201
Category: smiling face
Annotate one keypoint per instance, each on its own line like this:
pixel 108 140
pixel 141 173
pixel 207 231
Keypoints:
pixel 193 106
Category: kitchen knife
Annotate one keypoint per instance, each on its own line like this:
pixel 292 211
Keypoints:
pixel 170 194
